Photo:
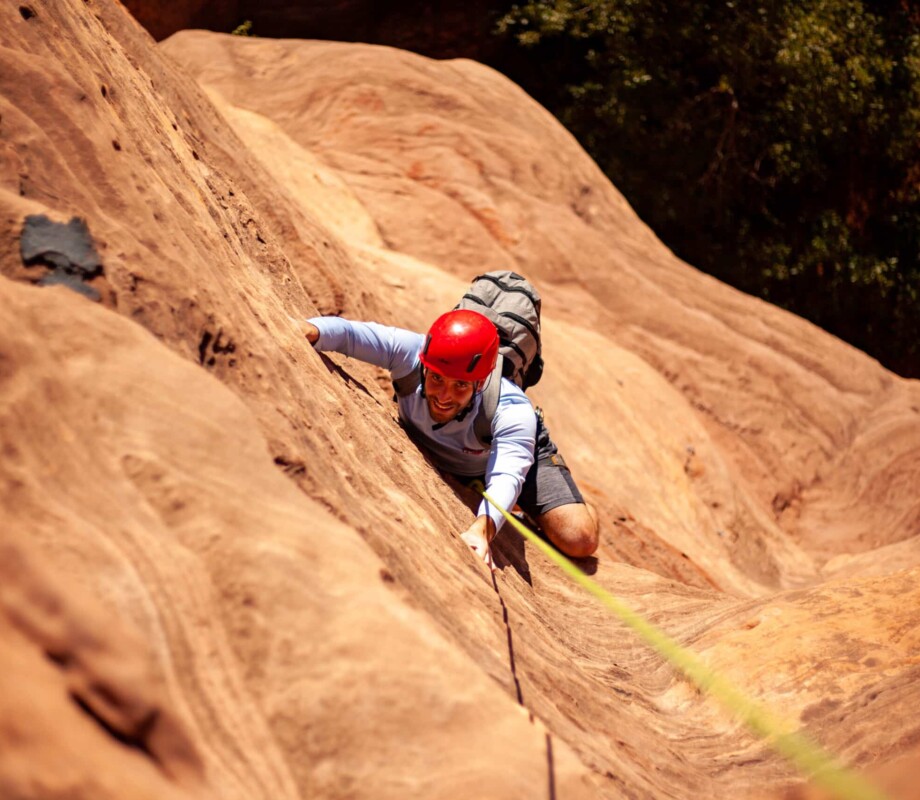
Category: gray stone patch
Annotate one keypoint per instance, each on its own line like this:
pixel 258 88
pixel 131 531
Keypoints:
pixel 67 250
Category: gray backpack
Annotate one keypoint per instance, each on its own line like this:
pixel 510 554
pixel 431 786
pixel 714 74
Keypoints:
pixel 513 305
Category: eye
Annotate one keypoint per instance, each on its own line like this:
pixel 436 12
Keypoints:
pixel 462 385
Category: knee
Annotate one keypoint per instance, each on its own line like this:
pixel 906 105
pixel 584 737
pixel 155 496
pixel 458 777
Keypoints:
pixel 576 530
pixel 582 541
pixel 587 536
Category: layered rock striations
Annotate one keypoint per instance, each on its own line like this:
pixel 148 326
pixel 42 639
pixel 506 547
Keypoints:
pixel 226 570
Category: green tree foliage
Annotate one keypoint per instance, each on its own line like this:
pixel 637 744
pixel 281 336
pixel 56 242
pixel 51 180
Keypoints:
pixel 244 29
pixel 773 144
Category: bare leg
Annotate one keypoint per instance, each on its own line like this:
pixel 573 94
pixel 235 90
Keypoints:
pixel 572 528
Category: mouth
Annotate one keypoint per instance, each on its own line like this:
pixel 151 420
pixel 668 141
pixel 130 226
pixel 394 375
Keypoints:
pixel 440 408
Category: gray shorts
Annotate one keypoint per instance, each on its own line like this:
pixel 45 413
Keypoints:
pixel 548 484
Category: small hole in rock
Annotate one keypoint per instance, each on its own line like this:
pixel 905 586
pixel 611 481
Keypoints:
pixel 27 13
pixel 105 92
pixel 115 144
pixel 195 156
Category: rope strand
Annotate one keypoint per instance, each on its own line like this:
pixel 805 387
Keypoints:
pixel 783 737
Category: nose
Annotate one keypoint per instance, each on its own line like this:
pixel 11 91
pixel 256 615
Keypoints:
pixel 444 394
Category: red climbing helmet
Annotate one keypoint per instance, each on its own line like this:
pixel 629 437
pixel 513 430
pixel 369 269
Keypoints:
pixel 462 345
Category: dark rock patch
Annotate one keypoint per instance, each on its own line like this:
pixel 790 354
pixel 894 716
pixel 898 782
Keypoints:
pixel 66 249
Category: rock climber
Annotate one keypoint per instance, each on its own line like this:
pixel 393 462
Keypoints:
pixel 455 361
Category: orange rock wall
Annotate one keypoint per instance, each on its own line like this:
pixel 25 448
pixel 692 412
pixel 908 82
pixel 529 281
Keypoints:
pixel 250 577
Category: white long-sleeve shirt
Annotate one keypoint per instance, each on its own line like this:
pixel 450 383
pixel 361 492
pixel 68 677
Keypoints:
pixel 454 445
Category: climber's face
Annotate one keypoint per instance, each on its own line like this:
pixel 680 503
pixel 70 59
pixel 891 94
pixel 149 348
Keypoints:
pixel 446 397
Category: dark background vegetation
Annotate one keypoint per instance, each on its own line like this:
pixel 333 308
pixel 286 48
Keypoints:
pixel 774 144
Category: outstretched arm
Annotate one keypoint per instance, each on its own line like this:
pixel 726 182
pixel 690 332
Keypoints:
pixel 394 349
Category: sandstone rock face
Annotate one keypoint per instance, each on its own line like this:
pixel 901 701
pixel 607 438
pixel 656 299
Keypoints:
pixel 225 571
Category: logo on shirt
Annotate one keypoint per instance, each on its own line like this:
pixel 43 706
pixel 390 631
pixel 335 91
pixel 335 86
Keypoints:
pixel 471 452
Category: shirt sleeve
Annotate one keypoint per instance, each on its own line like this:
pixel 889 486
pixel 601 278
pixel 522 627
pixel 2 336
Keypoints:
pixel 394 349
pixel 514 434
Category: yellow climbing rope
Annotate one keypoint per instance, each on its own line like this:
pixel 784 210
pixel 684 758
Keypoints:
pixel 783 737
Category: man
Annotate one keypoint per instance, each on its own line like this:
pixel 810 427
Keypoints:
pixel 521 464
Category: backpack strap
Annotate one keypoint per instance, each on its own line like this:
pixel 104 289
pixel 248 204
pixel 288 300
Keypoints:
pixel 407 384
pixel 482 425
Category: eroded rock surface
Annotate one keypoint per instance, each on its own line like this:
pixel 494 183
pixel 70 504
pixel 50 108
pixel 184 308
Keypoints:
pixel 280 566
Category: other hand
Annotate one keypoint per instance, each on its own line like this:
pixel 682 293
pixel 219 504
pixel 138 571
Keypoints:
pixel 307 329
pixel 478 536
